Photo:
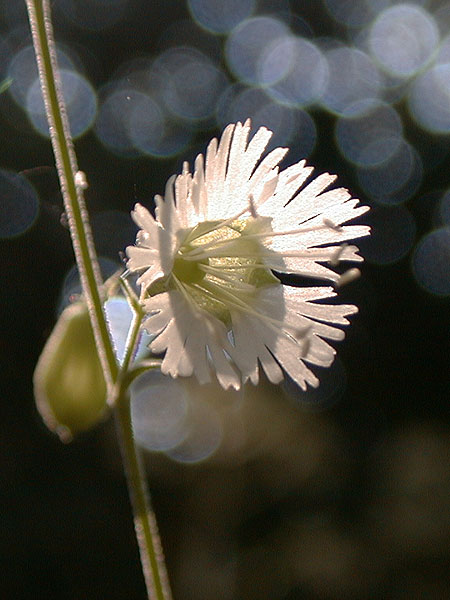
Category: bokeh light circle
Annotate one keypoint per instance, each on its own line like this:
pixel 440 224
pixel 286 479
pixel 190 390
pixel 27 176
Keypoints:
pixel 248 43
pixel 22 71
pixel 431 262
pixel 146 124
pixel 80 98
pixel 131 123
pixel 218 16
pixel 304 137
pixel 403 39
pixel 443 55
pixel 19 205
pixel 204 433
pixel 411 185
pixel 192 82
pixel 371 135
pixel 352 77
pixel 394 180
pixel 162 138
pixel 119 317
pixel 429 99
pixel 111 126
pixel 238 104
pixel 159 408
pixel 296 71
pixel 71 287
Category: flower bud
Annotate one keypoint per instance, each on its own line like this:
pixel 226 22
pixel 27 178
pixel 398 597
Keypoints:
pixel 69 385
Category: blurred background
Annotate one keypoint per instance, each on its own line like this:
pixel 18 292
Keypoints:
pixel 340 493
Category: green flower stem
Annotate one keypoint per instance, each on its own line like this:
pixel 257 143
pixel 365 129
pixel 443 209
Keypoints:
pixel 66 163
pixel 135 328
pixel 142 367
pixel 91 281
pixel 131 342
pixel 152 557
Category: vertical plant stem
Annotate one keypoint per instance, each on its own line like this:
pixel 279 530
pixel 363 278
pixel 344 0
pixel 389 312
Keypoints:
pixel 135 327
pixel 66 164
pixel 152 557
pixel 146 529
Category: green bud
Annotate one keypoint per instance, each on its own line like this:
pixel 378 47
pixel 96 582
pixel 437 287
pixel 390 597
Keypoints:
pixel 69 386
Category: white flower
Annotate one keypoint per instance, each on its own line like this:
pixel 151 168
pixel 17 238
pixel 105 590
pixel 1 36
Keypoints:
pixel 206 262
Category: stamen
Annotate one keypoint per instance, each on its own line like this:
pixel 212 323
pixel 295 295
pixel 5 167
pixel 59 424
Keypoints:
pixel 185 294
pixel 348 277
pixel 200 251
pixel 230 279
pixel 253 236
pixel 241 253
pixel 225 291
pixel 221 224
pixel 221 253
pixel 226 267
pixel 276 325
pixel 289 232
pixel 336 256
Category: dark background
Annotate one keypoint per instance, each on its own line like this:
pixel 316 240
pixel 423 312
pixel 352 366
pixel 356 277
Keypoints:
pixel 339 495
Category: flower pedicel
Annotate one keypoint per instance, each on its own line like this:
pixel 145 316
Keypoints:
pixel 206 264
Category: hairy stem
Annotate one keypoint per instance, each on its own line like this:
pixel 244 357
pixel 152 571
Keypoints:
pixel 71 187
pixel 135 327
pixel 66 164
pixel 152 557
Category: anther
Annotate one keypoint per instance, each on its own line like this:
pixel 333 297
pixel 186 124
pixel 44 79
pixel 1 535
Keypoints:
pixel 348 277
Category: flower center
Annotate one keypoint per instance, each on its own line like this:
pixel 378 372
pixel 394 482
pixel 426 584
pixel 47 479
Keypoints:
pixel 219 266
pixel 188 271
